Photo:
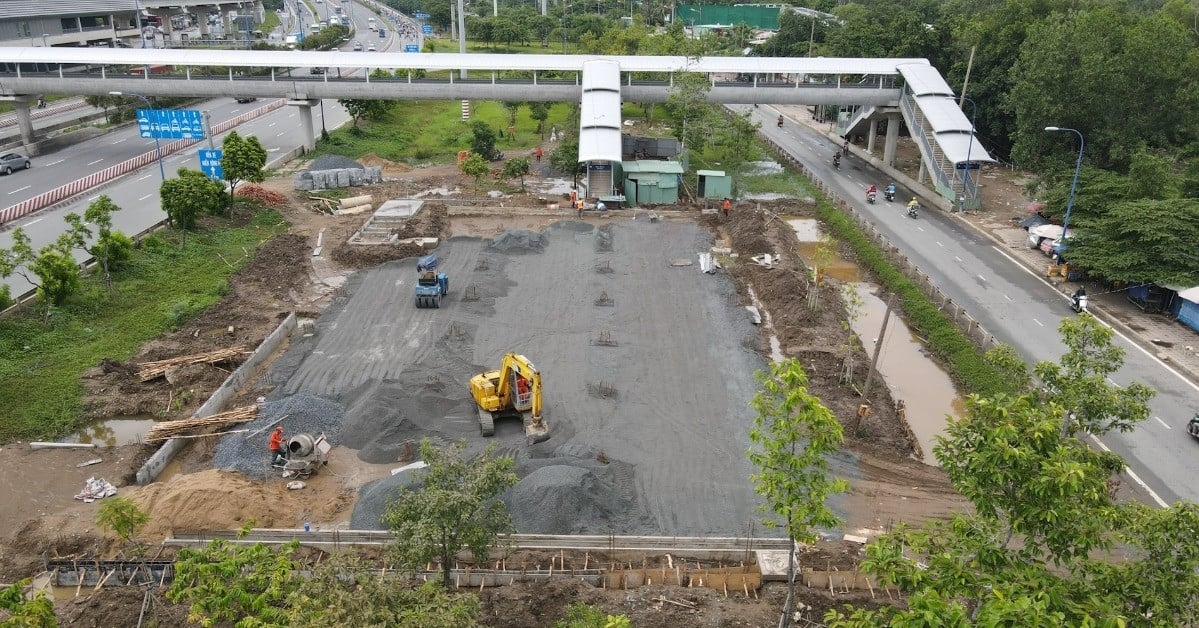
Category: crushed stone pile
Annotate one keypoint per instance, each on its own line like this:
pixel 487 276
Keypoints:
pixel 333 162
pixel 518 241
pixel 300 413
pixel 560 499
pixel 374 497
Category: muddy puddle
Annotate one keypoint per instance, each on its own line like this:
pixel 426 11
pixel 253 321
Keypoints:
pixel 915 380
pixel 114 432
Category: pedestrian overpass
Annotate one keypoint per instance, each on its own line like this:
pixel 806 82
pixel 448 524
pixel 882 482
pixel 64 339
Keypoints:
pixel 878 89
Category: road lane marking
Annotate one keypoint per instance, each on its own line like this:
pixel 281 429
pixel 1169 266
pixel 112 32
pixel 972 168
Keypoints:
pixel 981 277
pixel 32 222
pixel 1159 420
pixel 92 198
pixel 54 163
pixel 19 189
pixel 957 259
pixel 939 243
pixel 120 140
pixel 145 197
pixel 143 177
pixel 1112 382
pixel 272 124
pixel 1133 474
pixel 1038 322
pixel 96 162
pixel 281 134
pixel 1007 297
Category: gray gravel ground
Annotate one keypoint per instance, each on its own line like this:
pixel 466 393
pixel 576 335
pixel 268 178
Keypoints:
pixel 333 162
pixel 657 380
pixel 300 413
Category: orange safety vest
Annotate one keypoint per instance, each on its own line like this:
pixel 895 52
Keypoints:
pixel 277 441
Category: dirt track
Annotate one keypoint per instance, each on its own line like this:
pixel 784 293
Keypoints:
pixel 664 398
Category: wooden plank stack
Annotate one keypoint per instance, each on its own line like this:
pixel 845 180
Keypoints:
pixel 169 429
pixel 151 370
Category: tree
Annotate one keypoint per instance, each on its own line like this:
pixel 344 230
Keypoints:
pixel 362 109
pixel 511 108
pixel 456 507
pixel 25 613
pixel 474 166
pixel 565 159
pixel 518 167
pixel 736 144
pixel 342 590
pixel 103 102
pixel 50 269
pixel 1079 384
pixel 580 615
pixel 793 435
pixel 689 110
pixel 189 195
pixel 111 247
pixel 242 159
pixel 123 517
pixel 540 112
pixel 1141 241
pixel 232 582
pixel 482 140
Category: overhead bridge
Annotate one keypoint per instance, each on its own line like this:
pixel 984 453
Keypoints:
pixel 305 77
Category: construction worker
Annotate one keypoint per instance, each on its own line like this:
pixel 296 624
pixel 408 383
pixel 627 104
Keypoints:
pixel 725 206
pixel 276 444
pixel 537 153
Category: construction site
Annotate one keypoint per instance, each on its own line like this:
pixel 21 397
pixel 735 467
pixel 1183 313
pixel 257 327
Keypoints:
pixel 646 330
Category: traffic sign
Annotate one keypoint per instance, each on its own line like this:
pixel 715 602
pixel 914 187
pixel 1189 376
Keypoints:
pixel 411 47
pixel 420 15
pixel 170 124
pixel 426 29
pixel 968 165
pixel 210 163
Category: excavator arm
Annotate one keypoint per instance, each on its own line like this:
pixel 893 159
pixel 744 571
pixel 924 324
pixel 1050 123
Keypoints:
pixel 514 388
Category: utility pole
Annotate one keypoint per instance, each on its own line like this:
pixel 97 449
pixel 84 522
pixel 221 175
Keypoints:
pixel 966 81
pixel 878 346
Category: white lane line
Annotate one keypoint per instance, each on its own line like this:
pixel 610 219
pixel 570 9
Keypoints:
pixel 1007 297
pixel 96 162
pixel 143 177
pixel 281 134
pixel 939 244
pixel 1112 382
pixel 32 222
pixel 957 259
pixel 1159 420
pixel 981 277
pixel 92 198
pixel 1132 474
pixel 1038 322
pixel 120 140
pixel 145 197
pixel 272 124
pixel 54 163
pixel 19 189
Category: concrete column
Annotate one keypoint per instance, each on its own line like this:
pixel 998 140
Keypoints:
pixel 893 120
pixel 305 109
pixel 872 133
pixel 25 124
pixel 923 169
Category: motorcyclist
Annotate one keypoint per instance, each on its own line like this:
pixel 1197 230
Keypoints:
pixel 780 121
pixel 890 192
pixel 913 206
pixel 871 193
pixel 837 160
pixel 1080 299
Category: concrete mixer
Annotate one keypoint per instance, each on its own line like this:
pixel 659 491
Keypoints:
pixel 305 454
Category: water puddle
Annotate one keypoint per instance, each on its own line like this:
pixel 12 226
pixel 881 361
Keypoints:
pixel 924 388
pixel 130 430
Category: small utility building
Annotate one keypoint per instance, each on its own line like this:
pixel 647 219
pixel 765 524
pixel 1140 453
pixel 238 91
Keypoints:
pixel 652 182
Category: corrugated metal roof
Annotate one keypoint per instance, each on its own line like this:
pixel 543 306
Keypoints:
pixel 943 114
pixel 710 173
pixel 923 79
pixel 652 166
pixel 449 61
pixel 599 111
pixel 957 146
pixel 26 9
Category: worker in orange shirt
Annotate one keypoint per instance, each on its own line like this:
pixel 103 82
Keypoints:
pixel 276 444
pixel 725 206
pixel 537 153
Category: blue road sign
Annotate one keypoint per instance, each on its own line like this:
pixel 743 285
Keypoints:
pixel 420 15
pixel 426 29
pixel 968 165
pixel 170 124
pixel 210 163
pixel 411 47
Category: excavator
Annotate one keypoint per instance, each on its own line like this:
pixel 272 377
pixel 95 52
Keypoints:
pixel 512 391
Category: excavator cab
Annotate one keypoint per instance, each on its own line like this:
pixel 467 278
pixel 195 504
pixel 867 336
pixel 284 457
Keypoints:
pixel 514 391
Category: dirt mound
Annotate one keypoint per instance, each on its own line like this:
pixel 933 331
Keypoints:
pixel 220 500
pixel 389 167
pixel 519 241
pixel 120 606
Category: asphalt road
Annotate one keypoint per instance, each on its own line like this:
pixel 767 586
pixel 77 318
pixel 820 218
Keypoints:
pixel 137 192
pixel 1015 305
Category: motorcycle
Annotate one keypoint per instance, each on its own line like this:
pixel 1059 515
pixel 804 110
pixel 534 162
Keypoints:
pixel 837 161
pixel 889 194
pixel 870 196
pixel 1078 303
pixel 780 122
pixel 913 211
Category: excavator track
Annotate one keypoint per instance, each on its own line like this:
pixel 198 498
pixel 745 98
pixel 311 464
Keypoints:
pixel 486 423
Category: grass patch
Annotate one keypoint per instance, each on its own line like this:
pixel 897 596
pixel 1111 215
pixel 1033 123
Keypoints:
pixel 776 183
pixel 269 22
pixel 418 132
pixel 7 106
pixel 161 288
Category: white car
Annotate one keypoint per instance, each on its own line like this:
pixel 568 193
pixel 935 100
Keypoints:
pixel 371 48
pixel 357 45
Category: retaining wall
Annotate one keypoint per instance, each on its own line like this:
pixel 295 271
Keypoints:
pixel 219 399
pixel 337 178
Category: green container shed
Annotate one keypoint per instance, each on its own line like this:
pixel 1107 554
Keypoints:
pixel 714 184
pixel 651 182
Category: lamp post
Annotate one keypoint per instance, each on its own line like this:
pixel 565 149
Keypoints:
pixel 157 146
pixel 1074 184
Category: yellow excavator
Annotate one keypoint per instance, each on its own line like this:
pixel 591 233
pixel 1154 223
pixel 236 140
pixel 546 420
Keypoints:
pixel 512 391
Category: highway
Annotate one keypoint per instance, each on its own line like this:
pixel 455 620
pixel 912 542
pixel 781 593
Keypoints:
pixel 1017 306
pixel 137 192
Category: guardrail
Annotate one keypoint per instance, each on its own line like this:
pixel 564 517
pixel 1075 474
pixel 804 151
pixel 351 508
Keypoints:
pixel 75 103
pixel 78 186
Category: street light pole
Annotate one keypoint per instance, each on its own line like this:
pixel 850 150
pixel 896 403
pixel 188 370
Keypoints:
pixel 1073 184
pixel 157 146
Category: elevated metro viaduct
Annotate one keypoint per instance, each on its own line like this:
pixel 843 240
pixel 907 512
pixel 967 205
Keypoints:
pixel 891 89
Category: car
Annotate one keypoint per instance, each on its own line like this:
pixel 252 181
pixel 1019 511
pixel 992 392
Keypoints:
pixel 371 48
pixel 13 161
pixel 317 70
pixel 245 99
pixel 358 45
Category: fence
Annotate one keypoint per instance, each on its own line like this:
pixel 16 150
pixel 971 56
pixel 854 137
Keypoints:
pixel 960 317
pixel 70 190
pixel 68 105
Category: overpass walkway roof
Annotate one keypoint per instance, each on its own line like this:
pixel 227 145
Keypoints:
pixel 953 131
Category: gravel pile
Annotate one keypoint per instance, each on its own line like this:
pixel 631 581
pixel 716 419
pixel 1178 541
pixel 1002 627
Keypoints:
pixel 374 497
pixel 518 241
pixel 561 499
pixel 300 413
pixel 333 162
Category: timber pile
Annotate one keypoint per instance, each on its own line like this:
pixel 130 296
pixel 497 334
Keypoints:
pixel 169 429
pixel 151 370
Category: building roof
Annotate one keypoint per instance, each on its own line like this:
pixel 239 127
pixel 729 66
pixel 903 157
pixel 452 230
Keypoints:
pixel 711 173
pixel 29 9
pixel 647 166
pixel 599 112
